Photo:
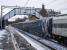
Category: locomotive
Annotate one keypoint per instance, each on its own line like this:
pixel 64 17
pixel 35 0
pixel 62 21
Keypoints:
pixel 52 27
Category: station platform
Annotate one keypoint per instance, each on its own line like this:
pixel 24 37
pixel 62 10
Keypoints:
pixel 36 44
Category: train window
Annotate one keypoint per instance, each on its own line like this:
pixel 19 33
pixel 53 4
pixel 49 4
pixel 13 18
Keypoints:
pixel 64 25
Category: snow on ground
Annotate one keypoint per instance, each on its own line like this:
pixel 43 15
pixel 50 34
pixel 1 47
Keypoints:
pixel 2 32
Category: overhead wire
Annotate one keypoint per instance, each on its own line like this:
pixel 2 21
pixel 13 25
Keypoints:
pixel 51 2
pixel 27 2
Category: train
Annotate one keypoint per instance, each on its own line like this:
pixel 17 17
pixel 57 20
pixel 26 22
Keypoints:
pixel 59 29
pixel 49 27
pixel 33 27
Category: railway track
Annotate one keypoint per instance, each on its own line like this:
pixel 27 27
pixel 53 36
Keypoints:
pixel 46 43
pixel 13 40
pixel 51 44
pixel 22 45
pixel 38 40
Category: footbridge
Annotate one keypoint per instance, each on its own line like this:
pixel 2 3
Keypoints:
pixel 19 11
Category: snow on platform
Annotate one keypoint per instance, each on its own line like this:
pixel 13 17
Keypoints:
pixel 2 32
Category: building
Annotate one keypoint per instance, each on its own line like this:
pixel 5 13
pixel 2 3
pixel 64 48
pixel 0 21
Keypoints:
pixel 47 12
pixel 43 11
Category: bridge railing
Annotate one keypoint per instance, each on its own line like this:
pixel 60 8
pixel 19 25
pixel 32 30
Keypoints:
pixel 22 11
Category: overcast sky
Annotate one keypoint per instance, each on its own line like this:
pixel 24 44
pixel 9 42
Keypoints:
pixel 49 4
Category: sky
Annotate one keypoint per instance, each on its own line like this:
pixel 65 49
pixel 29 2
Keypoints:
pixel 49 4
pixel 57 5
